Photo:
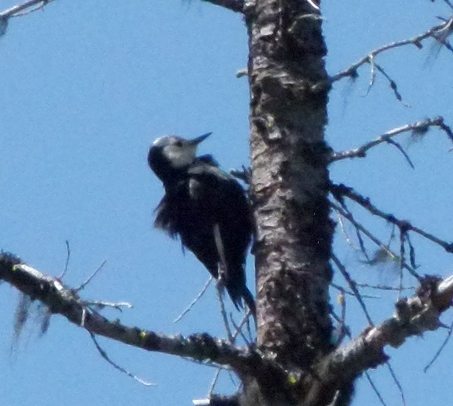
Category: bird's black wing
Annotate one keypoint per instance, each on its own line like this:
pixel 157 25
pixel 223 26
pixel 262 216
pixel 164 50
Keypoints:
pixel 222 202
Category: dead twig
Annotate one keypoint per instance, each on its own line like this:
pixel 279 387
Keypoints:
pixel 397 382
pixel 353 287
pixel 417 40
pixel 441 348
pixel 115 365
pixel 383 248
pixel 194 301
pixel 341 191
pixel 68 257
pixel 26 7
pixel 418 127
pixel 101 304
pixel 90 278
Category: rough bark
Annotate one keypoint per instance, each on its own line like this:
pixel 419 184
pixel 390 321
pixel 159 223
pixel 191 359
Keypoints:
pixel 289 184
pixel 289 180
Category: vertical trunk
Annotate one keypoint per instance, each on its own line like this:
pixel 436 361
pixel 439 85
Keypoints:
pixel 289 181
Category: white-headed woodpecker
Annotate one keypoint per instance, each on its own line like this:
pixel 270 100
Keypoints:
pixel 207 208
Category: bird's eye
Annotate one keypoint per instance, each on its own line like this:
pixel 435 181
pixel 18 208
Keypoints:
pixel 178 143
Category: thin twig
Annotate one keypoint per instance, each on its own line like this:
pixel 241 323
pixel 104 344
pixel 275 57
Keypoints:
pixel 353 287
pixel 449 3
pixel 397 382
pixel 101 304
pixel 349 241
pixel 214 382
pixel 115 365
pixel 376 390
pixel 219 290
pixel 346 234
pixel 417 127
pixel 68 257
pixel 441 348
pixel 349 293
pixel 343 330
pixel 351 71
pixel 21 9
pixel 383 287
pixel 90 278
pixel 370 381
pixel 341 190
pixel 403 152
pixel 403 238
pixel 239 331
pixel 392 83
pixel 234 336
pixel 348 215
pixel 194 301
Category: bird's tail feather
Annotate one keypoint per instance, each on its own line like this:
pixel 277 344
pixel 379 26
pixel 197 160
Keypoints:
pixel 242 293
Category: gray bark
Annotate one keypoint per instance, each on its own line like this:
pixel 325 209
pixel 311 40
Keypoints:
pixel 289 185
pixel 290 180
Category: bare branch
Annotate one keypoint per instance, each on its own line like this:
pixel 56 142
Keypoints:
pixel 353 287
pixel 234 5
pixel 417 127
pixel 65 301
pixel 383 287
pixel 115 365
pixel 375 389
pixel 220 290
pixel 68 257
pixel 90 278
pixel 448 2
pixel 194 301
pixel 24 8
pixel 417 41
pixel 382 247
pixel 101 304
pixel 392 83
pixel 413 317
pixel 404 225
pixel 397 382
pixel 441 348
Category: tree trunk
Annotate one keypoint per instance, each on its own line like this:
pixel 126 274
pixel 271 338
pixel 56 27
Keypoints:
pixel 289 187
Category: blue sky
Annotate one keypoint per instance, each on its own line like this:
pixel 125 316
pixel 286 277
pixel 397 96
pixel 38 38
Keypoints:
pixel 87 85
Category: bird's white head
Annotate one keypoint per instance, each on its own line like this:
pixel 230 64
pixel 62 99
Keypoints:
pixel 177 151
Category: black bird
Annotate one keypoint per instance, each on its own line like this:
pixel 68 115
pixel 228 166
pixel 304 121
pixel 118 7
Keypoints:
pixel 207 208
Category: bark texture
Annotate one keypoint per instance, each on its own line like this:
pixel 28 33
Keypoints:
pixel 289 180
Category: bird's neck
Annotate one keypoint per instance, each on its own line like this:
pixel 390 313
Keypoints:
pixel 170 176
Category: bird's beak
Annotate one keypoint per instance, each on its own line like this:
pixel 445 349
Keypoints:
pixel 196 141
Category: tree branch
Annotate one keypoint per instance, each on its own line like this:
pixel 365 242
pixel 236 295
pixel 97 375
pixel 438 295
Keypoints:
pixel 417 127
pixel 65 301
pixel 383 248
pixel 413 317
pixel 24 8
pixel 417 41
pixel 439 33
pixel 341 190
pixel 234 5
